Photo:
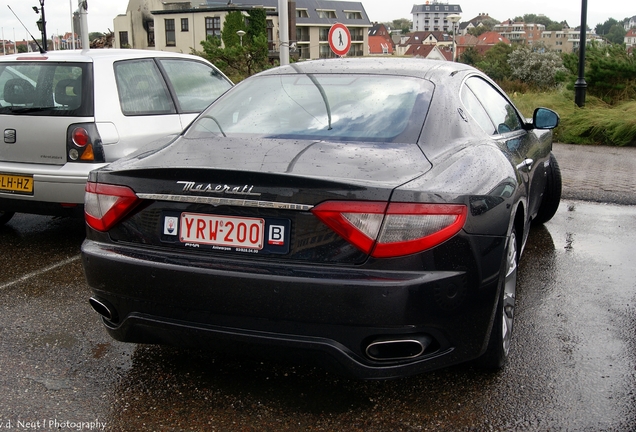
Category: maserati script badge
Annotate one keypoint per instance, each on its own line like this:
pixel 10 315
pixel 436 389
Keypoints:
pixel 189 186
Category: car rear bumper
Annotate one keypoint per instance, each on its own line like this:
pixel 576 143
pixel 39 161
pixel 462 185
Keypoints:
pixel 57 189
pixel 339 313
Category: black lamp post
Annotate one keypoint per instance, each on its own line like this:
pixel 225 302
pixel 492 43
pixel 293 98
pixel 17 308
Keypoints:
pixel 580 85
pixel 41 23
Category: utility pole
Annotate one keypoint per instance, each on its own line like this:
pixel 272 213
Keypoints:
pixel 283 31
pixel 83 13
pixel 70 4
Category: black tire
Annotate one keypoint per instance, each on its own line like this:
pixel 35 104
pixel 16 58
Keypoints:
pixel 501 333
pixel 5 216
pixel 551 194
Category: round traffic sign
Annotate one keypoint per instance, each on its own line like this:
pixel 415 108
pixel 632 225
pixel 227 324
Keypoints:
pixel 339 39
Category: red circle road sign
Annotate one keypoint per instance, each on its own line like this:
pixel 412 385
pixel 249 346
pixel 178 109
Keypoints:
pixel 339 39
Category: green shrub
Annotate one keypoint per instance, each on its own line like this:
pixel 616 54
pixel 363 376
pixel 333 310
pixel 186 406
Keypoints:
pixel 610 72
pixel 596 123
pixel 536 66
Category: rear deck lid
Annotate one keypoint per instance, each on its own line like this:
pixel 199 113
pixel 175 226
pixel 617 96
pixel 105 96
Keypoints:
pixel 267 189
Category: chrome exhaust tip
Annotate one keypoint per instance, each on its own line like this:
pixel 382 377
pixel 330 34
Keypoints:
pixel 103 308
pixel 403 348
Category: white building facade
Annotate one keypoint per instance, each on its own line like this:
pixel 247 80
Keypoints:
pixel 433 16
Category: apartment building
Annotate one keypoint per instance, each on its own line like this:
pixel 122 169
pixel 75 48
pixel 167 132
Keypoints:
pixel 567 40
pixel 433 16
pixel 181 25
pixel 630 39
pixel 520 32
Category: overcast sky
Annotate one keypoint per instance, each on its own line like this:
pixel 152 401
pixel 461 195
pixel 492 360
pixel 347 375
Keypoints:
pixel 102 12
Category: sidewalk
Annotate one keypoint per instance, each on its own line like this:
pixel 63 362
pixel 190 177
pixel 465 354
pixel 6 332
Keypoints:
pixel 598 173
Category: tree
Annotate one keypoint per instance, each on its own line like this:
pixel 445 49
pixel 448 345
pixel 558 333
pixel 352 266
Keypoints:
pixel 616 34
pixel 541 19
pixel 536 66
pixel 257 23
pixel 478 31
pixel 234 22
pixel 239 59
pixel 495 62
pixel 470 56
pixel 95 35
pixel 603 29
pixel 610 72
pixel 402 23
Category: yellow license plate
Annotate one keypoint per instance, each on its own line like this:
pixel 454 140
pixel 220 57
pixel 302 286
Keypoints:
pixel 16 183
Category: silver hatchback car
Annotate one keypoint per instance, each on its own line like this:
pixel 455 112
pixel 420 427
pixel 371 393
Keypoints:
pixel 66 113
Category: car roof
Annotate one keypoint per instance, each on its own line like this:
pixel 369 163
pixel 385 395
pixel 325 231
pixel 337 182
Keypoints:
pixel 420 68
pixel 95 55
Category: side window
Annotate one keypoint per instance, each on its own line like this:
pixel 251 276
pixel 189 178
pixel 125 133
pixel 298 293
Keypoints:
pixel 477 111
pixel 195 84
pixel 501 112
pixel 142 90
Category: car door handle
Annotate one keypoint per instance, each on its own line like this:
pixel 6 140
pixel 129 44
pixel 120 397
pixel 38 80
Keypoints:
pixel 527 164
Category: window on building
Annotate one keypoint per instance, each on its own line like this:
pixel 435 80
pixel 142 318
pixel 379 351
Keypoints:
pixel 302 34
pixel 323 34
pixel 151 34
pixel 302 13
pixel 322 13
pixel 171 39
pixel 185 26
pixel 303 51
pixel 325 51
pixel 213 27
pixel 353 15
pixel 270 35
pixel 357 34
pixel 123 40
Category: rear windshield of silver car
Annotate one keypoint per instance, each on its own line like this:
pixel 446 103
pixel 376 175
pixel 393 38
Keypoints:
pixel 322 106
pixel 43 88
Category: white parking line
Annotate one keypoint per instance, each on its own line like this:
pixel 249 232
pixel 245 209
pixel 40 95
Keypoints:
pixel 40 271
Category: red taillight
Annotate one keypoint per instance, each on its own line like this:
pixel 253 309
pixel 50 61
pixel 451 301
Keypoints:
pixel 80 137
pixel 389 230
pixel 105 205
pixel 84 144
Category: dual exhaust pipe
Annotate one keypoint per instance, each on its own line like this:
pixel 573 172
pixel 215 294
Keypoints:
pixel 104 308
pixel 384 349
pixel 399 348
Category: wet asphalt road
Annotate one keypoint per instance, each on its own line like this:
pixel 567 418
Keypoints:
pixel 573 364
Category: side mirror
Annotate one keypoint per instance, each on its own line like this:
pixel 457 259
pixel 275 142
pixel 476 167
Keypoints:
pixel 545 118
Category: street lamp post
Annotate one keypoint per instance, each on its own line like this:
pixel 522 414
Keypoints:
pixel 580 85
pixel 454 19
pixel 240 34
pixel 41 23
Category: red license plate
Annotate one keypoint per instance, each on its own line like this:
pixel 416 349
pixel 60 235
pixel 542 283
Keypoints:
pixel 227 231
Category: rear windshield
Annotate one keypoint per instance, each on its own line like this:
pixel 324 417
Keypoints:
pixel 323 107
pixel 46 89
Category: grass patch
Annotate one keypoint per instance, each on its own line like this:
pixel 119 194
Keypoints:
pixel 595 123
